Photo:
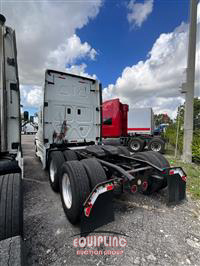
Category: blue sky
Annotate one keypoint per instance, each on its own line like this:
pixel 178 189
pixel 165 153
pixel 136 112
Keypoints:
pixel 118 45
pixel 136 48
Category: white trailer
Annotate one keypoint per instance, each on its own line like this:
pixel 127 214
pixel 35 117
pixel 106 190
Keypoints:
pixel 11 161
pixel 141 121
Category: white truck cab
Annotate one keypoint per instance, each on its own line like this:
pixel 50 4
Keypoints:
pixel 70 114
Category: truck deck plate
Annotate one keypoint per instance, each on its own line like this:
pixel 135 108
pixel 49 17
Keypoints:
pixel 110 149
pixel 96 151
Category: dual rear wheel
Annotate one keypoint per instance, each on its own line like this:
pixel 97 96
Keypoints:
pixel 156 144
pixel 74 179
pixel 56 160
pixel 77 180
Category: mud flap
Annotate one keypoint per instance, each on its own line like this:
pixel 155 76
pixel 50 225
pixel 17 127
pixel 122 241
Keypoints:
pixel 101 214
pixel 176 189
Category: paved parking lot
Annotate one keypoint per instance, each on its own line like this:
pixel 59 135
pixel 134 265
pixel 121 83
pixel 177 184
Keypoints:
pixel 157 235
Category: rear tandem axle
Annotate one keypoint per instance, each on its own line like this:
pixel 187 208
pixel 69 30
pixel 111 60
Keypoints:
pixel 90 177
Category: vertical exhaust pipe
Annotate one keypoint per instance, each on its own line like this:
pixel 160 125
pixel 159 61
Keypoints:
pixel 3 121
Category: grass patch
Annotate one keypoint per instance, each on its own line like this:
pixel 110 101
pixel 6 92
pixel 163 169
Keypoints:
pixel 193 175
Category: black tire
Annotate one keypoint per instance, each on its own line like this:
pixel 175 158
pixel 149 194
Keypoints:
pixel 158 160
pixel 80 189
pixel 156 145
pixel 11 206
pixel 136 144
pixel 9 166
pixel 56 160
pixel 70 155
pixel 123 150
pixel 95 171
pixel 161 161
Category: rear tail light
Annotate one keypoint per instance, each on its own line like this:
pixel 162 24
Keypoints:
pixel 110 187
pixel 144 185
pixel 184 178
pixel 87 211
pixel 134 189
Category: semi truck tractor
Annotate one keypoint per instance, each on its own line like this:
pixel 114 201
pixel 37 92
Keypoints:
pixel 86 173
pixel 134 128
pixel 11 161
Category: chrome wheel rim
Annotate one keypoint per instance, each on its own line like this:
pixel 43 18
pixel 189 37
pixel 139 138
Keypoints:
pixel 52 172
pixel 155 146
pixel 66 191
pixel 135 146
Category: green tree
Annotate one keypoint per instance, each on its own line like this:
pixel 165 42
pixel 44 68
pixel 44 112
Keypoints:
pixel 196 115
pixel 162 119
pixel 171 130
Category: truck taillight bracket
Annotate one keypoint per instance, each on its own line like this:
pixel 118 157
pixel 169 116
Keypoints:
pixel 176 184
pixel 96 192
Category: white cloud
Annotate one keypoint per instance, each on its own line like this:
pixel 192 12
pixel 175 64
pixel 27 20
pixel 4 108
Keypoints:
pixel 80 70
pixel 44 30
pixel 43 27
pixel 31 96
pixel 68 52
pixel 156 81
pixel 138 12
pixel 34 97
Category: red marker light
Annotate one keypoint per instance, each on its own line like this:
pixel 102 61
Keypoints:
pixel 87 211
pixel 110 187
pixel 171 172
pixel 144 185
pixel 134 189
pixel 184 178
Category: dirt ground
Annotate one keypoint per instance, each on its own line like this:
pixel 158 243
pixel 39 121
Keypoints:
pixel 156 234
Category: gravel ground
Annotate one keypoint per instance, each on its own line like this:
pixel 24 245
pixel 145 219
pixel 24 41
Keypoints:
pixel 156 234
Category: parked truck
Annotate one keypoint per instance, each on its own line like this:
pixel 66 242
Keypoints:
pixel 140 121
pixel 135 129
pixel 11 161
pixel 86 173
pixel 29 128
